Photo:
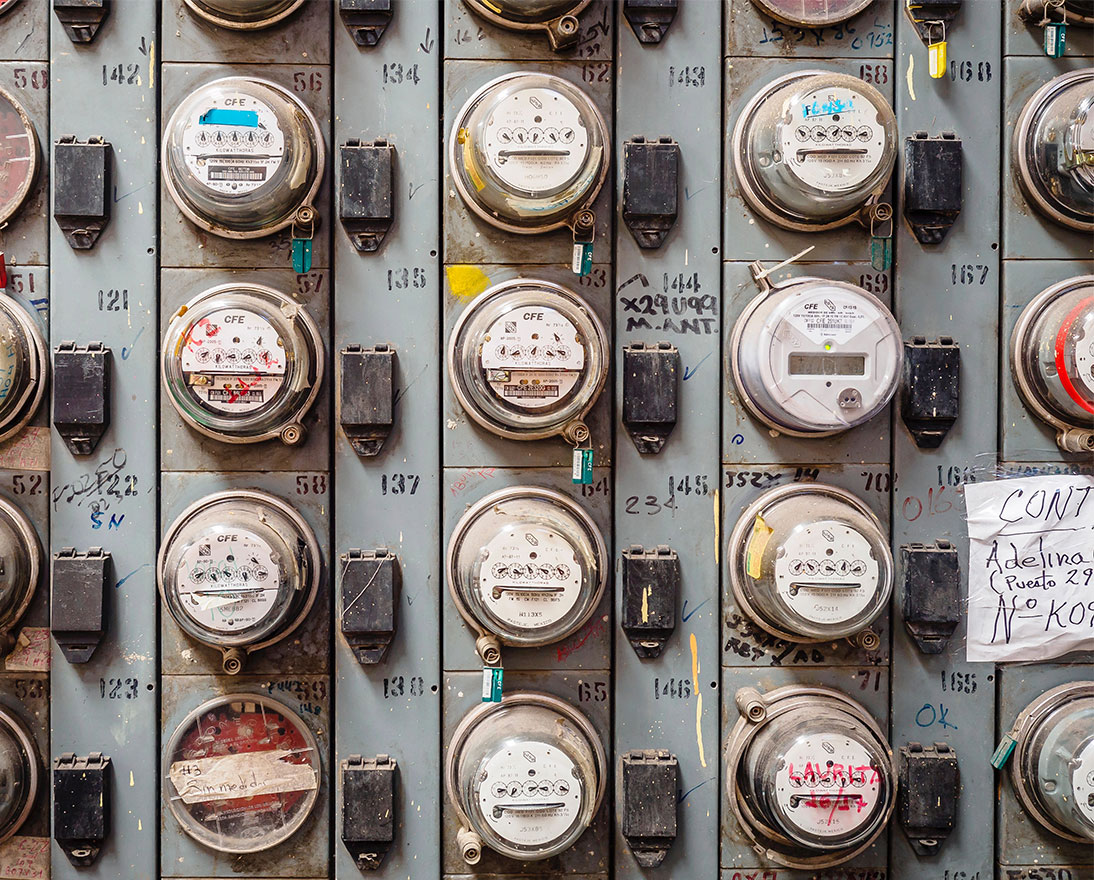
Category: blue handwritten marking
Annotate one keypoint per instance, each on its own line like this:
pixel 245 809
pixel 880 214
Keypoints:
pixel 118 198
pixel 133 572
pixel 688 193
pixel 128 349
pixel 928 715
pixel 680 799
pixel 691 371
pixel 685 614
pixel 828 108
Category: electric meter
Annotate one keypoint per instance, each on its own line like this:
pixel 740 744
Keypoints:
pixel 241 773
pixel 557 17
pixel 19 773
pixel 18 155
pixel 528 359
pixel 1054 149
pixel 244 15
pixel 529 153
pixel 810 777
pixel 243 363
pixel 813 357
pixel 243 158
pixel 526 567
pixel 813 149
pixel 20 564
pixel 1052 760
pixel 810 563
pixel 812 13
pixel 1052 360
pixel 238 570
pixel 526 777
pixel 24 366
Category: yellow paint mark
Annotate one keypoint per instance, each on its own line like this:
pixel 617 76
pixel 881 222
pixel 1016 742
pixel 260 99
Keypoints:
pixel 466 282
pixel 646 604
pixel 140 827
pixel 908 75
pixel 152 64
pixel 757 541
pixel 698 698
pixel 131 781
pixel 140 207
pixel 717 527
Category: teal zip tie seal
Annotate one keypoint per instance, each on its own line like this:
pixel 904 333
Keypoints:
pixel 491 684
pixel 1003 752
pixel 583 467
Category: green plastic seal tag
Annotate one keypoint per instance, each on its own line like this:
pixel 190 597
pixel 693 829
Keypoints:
pixel 583 467
pixel 301 255
pixel 881 252
pixel 491 684
pixel 1055 39
pixel 1003 752
pixel 583 259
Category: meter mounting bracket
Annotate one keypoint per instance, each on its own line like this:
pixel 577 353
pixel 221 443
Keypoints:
pixel 81 805
pixel 81 394
pixel 77 601
pixel 650 393
pixel 925 14
pixel 932 184
pixel 81 19
pixel 651 582
pixel 930 396
pixel 929 785
pixel 366 200
pixel 366 396
pixel 931 599
pixel 368 808
pixel 82 188
pixel 648 815
pixel 650 19
pixel 366 20
pixel 651 170
pixel 371 582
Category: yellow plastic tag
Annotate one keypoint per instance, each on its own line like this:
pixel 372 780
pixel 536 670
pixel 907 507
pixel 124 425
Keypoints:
pixel 936 59
pixel 754 552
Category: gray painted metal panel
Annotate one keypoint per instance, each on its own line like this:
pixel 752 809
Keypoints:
pixel 369 512
pixel 117 483
pixel 651 709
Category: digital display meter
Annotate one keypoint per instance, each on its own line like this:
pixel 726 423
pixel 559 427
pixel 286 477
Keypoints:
pixel 528 359
pixel 810 777
pixel 239 570
pixel 241 773
pixel 243 363
pixel 526 567
pixel 813 357
pixel 243 157
pixel 1052 361
pixel 811 563
pixel 528 152
pixel 1054 149
pixel 525 775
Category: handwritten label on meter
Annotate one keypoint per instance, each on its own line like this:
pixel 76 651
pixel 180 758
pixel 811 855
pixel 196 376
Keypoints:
pixel 827 786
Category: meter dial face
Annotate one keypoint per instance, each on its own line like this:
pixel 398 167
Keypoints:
pixel 18 156
pixel 19 773
pixel 812 148
pixel 813 357
pixel 1052 767
pixel 812 13
pixel 243 363
pixel 528 151
pixel 244 15
pixel 20 564
pixel 810 563
pixel 527 773
pixel 527 358
pixel 241 156
pixel 24 366
pixel 527 565
pixel 241 773
pixel 239 569
pixel 1052 356
pixel 1054 150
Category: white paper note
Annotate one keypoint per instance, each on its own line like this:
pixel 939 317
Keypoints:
pixel 1031 567
pixel 239 776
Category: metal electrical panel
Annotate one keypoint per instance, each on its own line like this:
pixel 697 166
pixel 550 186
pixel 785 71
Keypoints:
pixel 497 439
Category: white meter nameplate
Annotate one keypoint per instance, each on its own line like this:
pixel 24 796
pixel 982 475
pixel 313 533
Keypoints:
pixel 530 796
pixel 833 140
pixel 837 316
pixel 530 577
pixel 533 358
pixel 1082 781
pixel 826 573
pixel 228 581
pixel 826 785
pixel 233 149
pixel 536 141
pixel 235 361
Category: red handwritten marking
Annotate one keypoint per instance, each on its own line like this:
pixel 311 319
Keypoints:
pixel 592 628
